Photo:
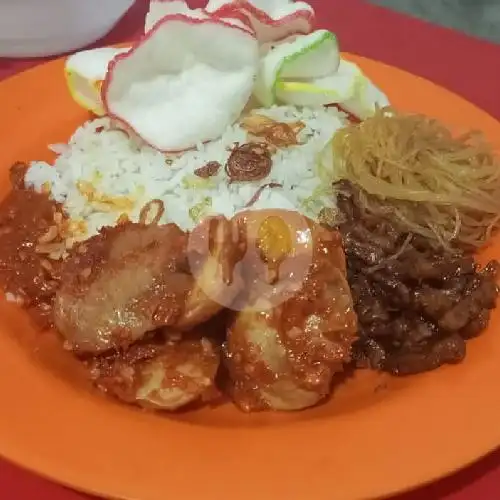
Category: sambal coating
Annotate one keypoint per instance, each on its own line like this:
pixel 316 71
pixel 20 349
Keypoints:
pixel 132 279
pixel 31 230
pixel 165 371
pixel 284 357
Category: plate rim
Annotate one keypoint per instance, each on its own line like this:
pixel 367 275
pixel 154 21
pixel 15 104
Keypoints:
pixel 50 70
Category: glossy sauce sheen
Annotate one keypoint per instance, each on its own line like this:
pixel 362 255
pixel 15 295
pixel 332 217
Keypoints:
pixel 159 372
pixel 31 277
pixel 285 357
pixel 156 372
pixel 121 283
pixel 106 293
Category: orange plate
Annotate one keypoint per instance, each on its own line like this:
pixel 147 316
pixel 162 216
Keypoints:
pixel 377 436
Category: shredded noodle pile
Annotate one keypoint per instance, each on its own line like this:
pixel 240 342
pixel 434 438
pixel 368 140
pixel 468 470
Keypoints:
pixel 415 171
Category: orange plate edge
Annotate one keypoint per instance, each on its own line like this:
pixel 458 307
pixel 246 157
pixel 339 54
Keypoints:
pixel 365 443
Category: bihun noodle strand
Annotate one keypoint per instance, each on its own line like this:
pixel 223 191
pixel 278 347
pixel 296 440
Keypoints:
pixel 412 168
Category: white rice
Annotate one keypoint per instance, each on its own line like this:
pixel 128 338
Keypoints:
pixel 115 166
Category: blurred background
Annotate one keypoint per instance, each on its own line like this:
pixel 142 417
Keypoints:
pixel 479 18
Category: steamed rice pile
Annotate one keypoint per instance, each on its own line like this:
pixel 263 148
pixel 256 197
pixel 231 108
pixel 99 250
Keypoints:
pixel 101 176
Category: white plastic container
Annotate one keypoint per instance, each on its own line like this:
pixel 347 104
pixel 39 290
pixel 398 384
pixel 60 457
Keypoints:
pixel 36 28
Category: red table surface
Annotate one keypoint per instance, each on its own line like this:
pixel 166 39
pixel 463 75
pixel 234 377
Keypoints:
pixel 469 67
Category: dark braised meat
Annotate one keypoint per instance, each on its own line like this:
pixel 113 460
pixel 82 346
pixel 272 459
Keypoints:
pixel 416 307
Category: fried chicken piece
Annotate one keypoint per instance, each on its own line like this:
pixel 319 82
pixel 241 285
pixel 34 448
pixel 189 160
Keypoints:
pixel 132 279
pixel 159 373
pixel 283 348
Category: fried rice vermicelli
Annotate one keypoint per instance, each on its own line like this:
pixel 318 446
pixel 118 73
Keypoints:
pixel 413 169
